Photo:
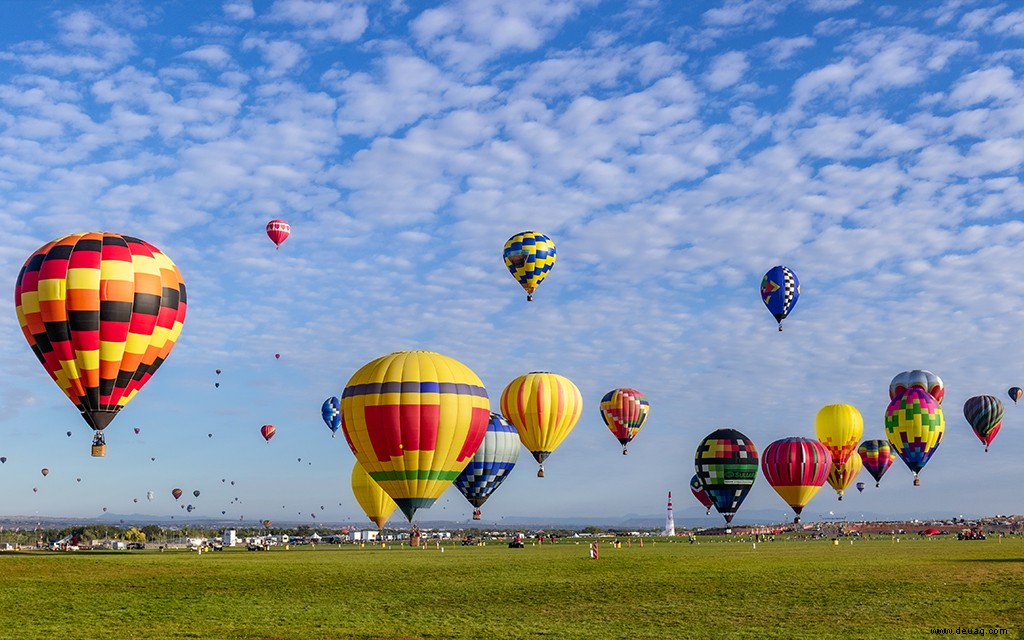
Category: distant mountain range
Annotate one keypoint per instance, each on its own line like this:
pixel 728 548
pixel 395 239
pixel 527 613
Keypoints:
pixel 684 519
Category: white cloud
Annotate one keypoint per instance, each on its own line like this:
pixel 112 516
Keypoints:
pixel 239 9
pixel 726 70
pixel 322 19
pixel 211 54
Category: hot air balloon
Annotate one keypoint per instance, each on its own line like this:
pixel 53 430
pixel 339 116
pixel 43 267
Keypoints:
pixel 196 493
pixel 544 408
pixel 176 493
pixel 780 289
pixel 796 468
pixel 69 434
pixel 726 464
pixel 491 464
pixel 278 231
pixel 268 432
pixel 860 485
pixel 35 489
pixel 189 508
pixel 101 312
pixel 149 496
pixel 414 419
pixel 877 457
pixel 914 425
pixel 377 505
pixel 698 492
pixel 985 415
pixel 529 257
pixel 920 379
pixel 45 472
pixel 841 476
pixel 839 427
pixel 3 459
pixel 78 479
pixel 135 499
pixel 1015 393
pixel 217 371
pixel 137 430
pixel 267 523
pixel 331 413
pixel 277 356
pixel 624 411
pixel 216 385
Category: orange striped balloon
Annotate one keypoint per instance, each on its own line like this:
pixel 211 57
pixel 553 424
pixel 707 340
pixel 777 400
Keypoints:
pixel 544 408
pixel 101 311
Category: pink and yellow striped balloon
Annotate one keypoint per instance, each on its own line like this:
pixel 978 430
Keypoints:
pixel 544 408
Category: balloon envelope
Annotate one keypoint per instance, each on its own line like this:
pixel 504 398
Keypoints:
pixel 45 472
pixel 624 411
pixel 278 231
pixel 985 415
pixel 914 425
pixel 841 476
pixel 877 456
pixel 839 427
pixel 698 492
pixel 1015 393
pixel 267 431
pixel 491 463
pixel 101 312
pixel 330 411
pixel 196 493
pixel 176 493
pixel 726 463
pixel 377 505
pixel 780 289
pixel 544 408
pixel 919 379
pixel 796 468
pixel 529 257
pixel 414 419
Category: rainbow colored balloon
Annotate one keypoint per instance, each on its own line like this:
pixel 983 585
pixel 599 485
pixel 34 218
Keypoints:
pixel 726 464
pixel 839 427
pixel 414 419
pixel 919 379
pixel 877 458
pixel 914 424
pixel 624 411
pixel 796 468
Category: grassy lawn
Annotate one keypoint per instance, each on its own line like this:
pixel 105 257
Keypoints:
pixel 716 589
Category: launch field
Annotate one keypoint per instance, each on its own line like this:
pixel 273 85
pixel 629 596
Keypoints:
pixel 881 587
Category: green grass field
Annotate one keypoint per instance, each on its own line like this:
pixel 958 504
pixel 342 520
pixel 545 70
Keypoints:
pixel 715 589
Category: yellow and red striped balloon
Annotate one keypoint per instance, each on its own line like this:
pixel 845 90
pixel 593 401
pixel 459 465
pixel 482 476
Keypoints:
pixel 101 311
pixel 841 476
pixel 544 408
pixel 414 420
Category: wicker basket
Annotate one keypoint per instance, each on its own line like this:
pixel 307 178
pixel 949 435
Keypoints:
pixel 99 450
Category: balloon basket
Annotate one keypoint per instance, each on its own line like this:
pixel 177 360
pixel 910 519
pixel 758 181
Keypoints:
pixel 625 453
pixel 540 472
pixel 917 482
pixel 99 450
pixel 476 515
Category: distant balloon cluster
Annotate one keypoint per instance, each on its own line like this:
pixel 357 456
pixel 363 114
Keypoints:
pixel 796 468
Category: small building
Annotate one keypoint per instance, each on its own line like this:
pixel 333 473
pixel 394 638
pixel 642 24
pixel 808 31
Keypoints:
pixel 229 539
pixel 368 535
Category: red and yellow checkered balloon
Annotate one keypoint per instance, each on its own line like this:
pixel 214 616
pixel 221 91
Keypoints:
pixel 101 311
pixel 414 420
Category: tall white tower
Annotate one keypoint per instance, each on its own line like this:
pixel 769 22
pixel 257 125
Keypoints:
pixel 670 521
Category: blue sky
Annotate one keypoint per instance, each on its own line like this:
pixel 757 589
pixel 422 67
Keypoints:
pixel 673 151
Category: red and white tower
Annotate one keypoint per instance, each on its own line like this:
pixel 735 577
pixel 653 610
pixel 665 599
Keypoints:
pixel 670 521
